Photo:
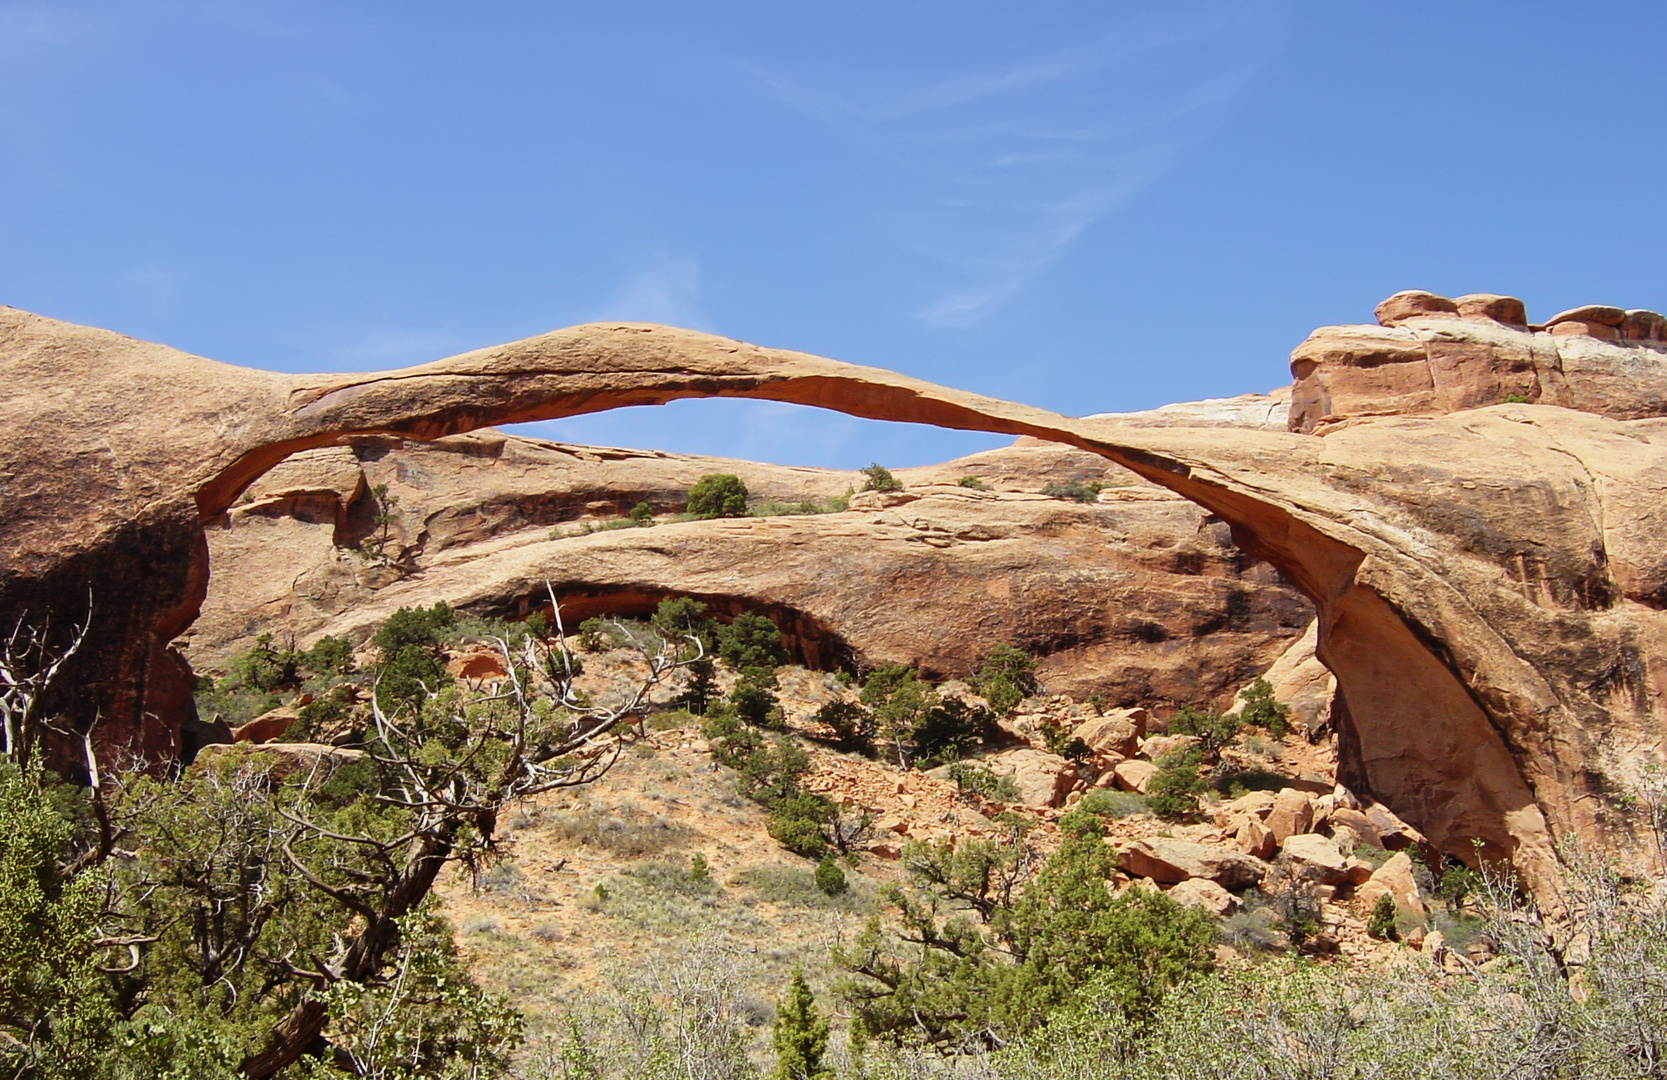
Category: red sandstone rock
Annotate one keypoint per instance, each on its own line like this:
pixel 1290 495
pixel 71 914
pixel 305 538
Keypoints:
pixel 1395 878
pixel 1205 894
pixel 267 727
pixel 1315 858
pixel 1115 735
pixel 1501 309
pixel 1292 813
pixel 1168 861
pixel 1412 303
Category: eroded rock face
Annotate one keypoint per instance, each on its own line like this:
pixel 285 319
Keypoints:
pixel 1431 355
pixel 1489 583
pixel 1141 597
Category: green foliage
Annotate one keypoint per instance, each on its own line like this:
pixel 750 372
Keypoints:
pixel 330 654
pixel 701 689
pixel 879 478
pixel 973 482
pixel 679 618
pixel 1458 882
pixel 1174 789
pixel 853 726
pixel 1006 676
pixel 1382 923
pixel 838 504
pixel 718 495
pixel 1113 804
pixel 1261 710
pixel 753 698
pixel 642 515
pixel 830 878
pixel 1516 399
pixel 1214 730
pixel 593 635
pixel 267 667
pixel 750 640
pixel 797 822
pixel 916 722
pixel 1075 490
pixel 799 1034
pixel 997 953
pixel 426 627
pixel 406 680
pixel 981 781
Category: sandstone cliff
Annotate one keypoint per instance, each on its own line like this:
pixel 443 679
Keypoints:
pixel 1489 582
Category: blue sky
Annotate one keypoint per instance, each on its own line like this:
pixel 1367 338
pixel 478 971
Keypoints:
pixel 1085 206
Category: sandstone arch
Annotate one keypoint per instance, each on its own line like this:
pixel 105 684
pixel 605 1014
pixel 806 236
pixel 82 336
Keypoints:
pixel 116 452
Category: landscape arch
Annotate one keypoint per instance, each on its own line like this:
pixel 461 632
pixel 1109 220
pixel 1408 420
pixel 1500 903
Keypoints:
pixel 157 443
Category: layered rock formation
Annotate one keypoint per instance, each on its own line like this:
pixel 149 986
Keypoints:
pixel 1431 355
pixel 1141 597
pixel 1489 582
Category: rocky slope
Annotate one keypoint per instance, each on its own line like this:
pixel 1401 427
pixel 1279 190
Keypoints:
pixel 1489 582
pixel 1140 597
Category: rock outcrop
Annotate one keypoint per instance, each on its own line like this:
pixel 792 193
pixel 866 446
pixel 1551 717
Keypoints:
pixel 1430 355
pixel 1489 582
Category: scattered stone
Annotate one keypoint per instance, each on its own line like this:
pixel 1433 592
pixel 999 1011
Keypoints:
pixel 1395 878
pixel 1134 775
pixel 1156 747
pixel 268 727
pixel 1206 894
pixel 1043 779
pixel 1116 734
pixel 1316 858
pixel 1292 813
pixel 1174 861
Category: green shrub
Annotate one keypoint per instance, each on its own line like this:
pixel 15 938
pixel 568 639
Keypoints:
pixel 1214 730
pixel 879 478
pixel 718 495
pixel 853 726
pixel 1174 789
pixel 330 654
pixel 750 640
pixel 1113 804
pixel 830 878
pixel 1075 490
pixel 799 1035
pixel 981 781
pixel 1006 676
pixel 1261 710
pixel 642 515
pixel 414 626
pixel 796 823
pixel 973 482
pixel 1382 923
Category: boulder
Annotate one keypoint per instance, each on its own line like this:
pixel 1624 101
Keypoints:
pixel 1116 734
pixel 1257 804
pixel 1174 861
pixel 1203 893
pixel 1394 833
pixel 1412 303
pixel 1315 858
pixel 278 761
pixel 1292 813
pixel 1134 775
pixel 1254 838
pixel 1356 822
pixel 1043 779
pixel 478 665
pixel 1501 309
pixel 1395 878
pixel 269 726
pixel 1158 747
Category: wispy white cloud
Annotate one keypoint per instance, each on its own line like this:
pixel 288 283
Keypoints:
pixel 663 289
pixel 1000 167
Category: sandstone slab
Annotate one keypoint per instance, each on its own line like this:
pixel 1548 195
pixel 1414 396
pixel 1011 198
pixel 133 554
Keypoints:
pixel 1175 861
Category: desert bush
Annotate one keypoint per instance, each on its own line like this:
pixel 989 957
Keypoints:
pixel 830 878
pixel 852 725
pixel 717 495
pixel 1075 490
pixel 1006 676
pixel 1174 789
pixel 878 478
pixel 981 781
pixel 1110 803
pixel 1261 710
pixel 973 482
